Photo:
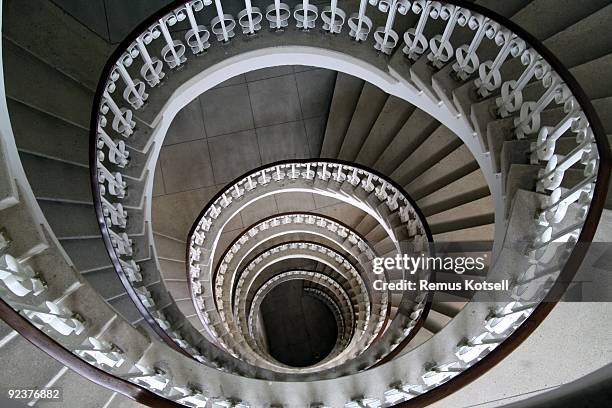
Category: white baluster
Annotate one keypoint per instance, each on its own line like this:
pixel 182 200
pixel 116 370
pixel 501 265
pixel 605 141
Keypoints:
pixel 278 175
pixel 512 91
pixel 237 192
pixel 440 45
pixel 114 214
pixel 489 74
pixel 263 179
pixel 381 192
pixel 134 92
pixel 385 38
pixel 467 59
pixel 19 279
pixel 197 37
pixel 367 184
pixel 101 352
pixel 122 118
pixel 392 201
pixel 308 173
pixel 152 378
pixel 116 185
pixel 305 15
pixel 250 185
pixel 121 242
pixel 116 148
pixel 174 50
pixel 324 174
pixel 189 397
pixel 416 43
pixel 131 270
pixel 528 121
pixel 551 176
pixel 55 317
pixel 294 174
pixel 333 18
pixel 223 25
pixel 339 175
pixel 253 15
pixel 359 23
pixel 278 15
pixel 559 203
pixel 152 68
pixel 544 147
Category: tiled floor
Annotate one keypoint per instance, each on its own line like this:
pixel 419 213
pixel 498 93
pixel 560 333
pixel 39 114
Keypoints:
pixel 253 119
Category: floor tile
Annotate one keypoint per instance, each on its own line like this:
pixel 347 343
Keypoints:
pixel 233 155
pixel 275 101
pixel 186 166
pixel 282 142
pixel 187 125
pixel 315 88
pixel 226 110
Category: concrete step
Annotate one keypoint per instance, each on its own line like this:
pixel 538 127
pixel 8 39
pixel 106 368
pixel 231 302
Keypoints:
pixel 544 18
pixel 71 220
pixel 26 234
pixel 416 129
pixel 454 166
pixel 595 77
pixel 369 107
pixel 392 117
pixel 169 248
pixel 591 33
pixel 87 254
pixel 54 36
pixel 449 309
pixel 472 214
pixel 506 8
pixel 39 133
pixel 603 107
pixel 79 392
pixel 172 269
pixel 55 180
pixel 63 98
pixel 466 189
pixel 421 337
pixel 439 144
pixel 345 98
pixel 106 282
pixel 435 321
pixel 26 366
pixel 479 233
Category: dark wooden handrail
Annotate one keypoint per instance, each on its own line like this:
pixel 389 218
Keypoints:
pixel 58 352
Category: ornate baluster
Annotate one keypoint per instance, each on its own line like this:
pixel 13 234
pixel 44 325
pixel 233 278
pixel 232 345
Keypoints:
pixel 101 353
pixel 131 269
pixel 116 148
pixel 121 242
pixel 381 192
pixel 544 148
pixel 134 92
pixel 416 43
pixel 116 185
pixel 551 176
pixel 197 37
pixel 333 18
pixel 559 203
pixel 305 15
pixel 122 118
pixel 467 59
pixel 223 24
pixel 308 173
pixel 278 15
pixel 152 378
pixel 512 91
pixel 440 45
pixel 263 179
pixel 152 68
pixel 174 50
pixel 19 279
pixel 114 214
pixel 489 74
pixel 367 184
pixel 339 175
pixel 392 201
pixel 359 23
pixel 55 317
pixel 253 18
pixel 385 38
pixel 528 121
pixel 324 174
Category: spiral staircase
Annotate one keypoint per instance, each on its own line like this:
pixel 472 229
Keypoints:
pixel 462 127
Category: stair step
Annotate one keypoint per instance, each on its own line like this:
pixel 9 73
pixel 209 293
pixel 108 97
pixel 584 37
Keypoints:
pixel 369 107
pixel 39 133
pixel 468 188
pixel 77 388
pixel 472 214
pixel 456 165
pixel 126 308
pixel 595 77
pixel 169 248
pixel 55 180
pixel 345 98
pixel 506 8
pixel 449 309
pixel 435 321
pixel 479 233
pixel 63 98
pixel 392 117
pixel 172 269
pixel 54 36
pixel 71 220
pixel 417 128
pixel 27 236
pixel 87 254
pixel 106 282
pixel 592 35
pixel 439 144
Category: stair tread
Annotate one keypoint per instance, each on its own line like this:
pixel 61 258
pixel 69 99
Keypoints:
pixel 471 214
pixel 468 188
